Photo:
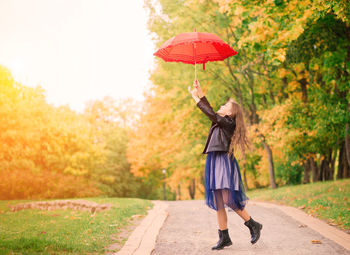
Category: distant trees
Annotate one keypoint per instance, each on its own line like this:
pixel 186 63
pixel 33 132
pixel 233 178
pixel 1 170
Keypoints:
pixel 291 75
pixel 54 152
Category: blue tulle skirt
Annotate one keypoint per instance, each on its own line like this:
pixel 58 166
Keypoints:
pixel 223 182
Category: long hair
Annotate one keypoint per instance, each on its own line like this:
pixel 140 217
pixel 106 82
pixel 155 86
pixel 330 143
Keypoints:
pixel 239 138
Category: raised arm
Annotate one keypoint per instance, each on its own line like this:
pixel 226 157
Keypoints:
pixel 206 108
pixel 204 105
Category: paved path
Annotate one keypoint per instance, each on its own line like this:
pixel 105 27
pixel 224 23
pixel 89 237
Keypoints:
pixel 191 228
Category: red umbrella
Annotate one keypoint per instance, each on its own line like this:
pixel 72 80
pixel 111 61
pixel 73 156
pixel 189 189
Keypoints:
pixel 195 48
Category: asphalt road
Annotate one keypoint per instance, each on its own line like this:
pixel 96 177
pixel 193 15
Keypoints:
pixel 191 228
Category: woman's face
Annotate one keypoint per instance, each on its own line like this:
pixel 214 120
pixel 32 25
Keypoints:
pixel 225 109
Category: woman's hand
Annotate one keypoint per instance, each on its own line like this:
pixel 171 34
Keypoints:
pixel 194 93
pixel 197 85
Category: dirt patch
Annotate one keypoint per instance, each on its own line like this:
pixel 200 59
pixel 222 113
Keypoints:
pixel 81 205
pixel 121 237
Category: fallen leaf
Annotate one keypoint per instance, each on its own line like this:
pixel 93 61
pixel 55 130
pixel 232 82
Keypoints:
pixel 136 216
pixel 316 241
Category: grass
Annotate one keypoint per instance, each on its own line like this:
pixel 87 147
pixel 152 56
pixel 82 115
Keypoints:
pixel 34 231
pixel 328 200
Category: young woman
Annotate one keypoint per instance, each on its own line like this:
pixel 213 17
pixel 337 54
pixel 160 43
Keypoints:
pixel 223 182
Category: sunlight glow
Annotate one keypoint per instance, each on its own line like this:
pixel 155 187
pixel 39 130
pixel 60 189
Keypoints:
pixel 77 50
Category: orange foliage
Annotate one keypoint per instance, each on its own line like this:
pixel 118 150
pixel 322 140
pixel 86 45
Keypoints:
pixel 21 184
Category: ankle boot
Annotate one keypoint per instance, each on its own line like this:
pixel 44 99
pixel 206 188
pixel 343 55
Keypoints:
pixel 254 228
pixel 224 240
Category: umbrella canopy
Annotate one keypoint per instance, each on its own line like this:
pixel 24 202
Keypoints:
pixel 195 48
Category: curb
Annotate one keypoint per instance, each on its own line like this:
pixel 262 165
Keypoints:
pixel 143 239
pixel 318 225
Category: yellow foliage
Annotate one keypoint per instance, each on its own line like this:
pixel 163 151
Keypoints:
pixel 107 179
pixel 236 21
pixel 282 72
pixel 301 75
pixel 224 5
pixel 298 67
pixel 281 54
pixel 262 168
pixel 274 25
pixel 293 85
pixel 291 5
pixel 238 10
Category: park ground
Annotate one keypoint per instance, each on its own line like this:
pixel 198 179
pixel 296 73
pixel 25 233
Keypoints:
pixel 80 232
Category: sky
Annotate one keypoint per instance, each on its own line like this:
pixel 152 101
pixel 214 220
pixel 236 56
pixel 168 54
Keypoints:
pixel 77 50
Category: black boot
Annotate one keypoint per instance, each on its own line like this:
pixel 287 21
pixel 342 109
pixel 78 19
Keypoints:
pixel 224 240
pixel 254 228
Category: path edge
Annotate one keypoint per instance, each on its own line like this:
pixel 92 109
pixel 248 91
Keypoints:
pixel 143 239
pixel 332 233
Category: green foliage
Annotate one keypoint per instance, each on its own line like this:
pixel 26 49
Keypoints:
pixel 287 172
pixel 252 161
pixel 327 34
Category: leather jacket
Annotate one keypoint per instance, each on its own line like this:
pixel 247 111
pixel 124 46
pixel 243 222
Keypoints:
pixel 221 130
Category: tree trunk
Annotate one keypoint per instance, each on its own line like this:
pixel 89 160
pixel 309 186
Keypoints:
pixel 333 163
pixel 329 173
pixel 314 170
pixel 325 172
pixel 179 192
pixel 344 154
pixel 346 169
pixel 303 83
pixel 343 166
pixel 321 173
pixel 347 143
pixel 192 188
pixel 340 174
pixel 271 166
pixel 346 68
pixel 307 169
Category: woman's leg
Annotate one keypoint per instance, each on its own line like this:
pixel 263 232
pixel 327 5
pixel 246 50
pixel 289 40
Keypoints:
pixel 254 226
pixel 221 212
pixel 225 197
pixel 243 213
pixel 222 219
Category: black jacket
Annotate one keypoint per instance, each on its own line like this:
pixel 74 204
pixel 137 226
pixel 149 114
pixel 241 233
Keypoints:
pixel 221 130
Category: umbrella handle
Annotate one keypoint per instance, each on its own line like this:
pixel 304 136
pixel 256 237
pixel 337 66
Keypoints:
pixel 195 64
pixel 195 72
